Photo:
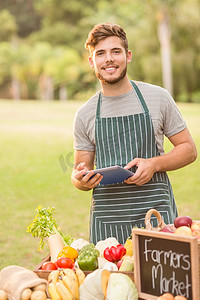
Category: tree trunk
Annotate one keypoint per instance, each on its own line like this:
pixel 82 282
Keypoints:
pixel 164 38
pixel 15 84
pixel 46 88
pixel 63 93
pixel 15 89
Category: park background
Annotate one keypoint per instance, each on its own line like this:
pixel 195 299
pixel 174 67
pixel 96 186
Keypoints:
pixel 45 77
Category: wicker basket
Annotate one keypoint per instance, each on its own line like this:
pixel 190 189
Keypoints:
pixel 148 225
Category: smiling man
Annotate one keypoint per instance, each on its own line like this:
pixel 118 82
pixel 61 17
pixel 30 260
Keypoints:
pixel 124 124
pixel 110 63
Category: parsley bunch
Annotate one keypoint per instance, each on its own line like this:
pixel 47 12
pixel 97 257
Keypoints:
pixel 44 225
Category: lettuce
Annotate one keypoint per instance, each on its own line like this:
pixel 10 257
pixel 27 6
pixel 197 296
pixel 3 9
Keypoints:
pixel 121 287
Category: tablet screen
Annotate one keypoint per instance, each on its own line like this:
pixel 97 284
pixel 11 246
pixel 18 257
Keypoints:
pixel 113 175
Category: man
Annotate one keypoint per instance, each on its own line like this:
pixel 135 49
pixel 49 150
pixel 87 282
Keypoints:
pixel 124 124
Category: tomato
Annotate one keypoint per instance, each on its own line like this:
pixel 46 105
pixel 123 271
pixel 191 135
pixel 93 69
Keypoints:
pixel 49 266
pixel 65 263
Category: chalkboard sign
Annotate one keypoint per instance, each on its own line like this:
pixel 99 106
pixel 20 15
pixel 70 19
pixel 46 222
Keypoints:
pixel 165 262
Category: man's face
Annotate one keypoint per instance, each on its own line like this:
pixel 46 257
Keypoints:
pixel 109 60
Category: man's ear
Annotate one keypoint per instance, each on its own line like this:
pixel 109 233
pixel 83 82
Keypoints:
pixel 91 61
pixel 129 56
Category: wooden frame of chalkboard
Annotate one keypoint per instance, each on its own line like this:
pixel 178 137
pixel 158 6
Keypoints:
pixel 165 262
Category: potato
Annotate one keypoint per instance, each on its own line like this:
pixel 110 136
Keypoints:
pixel 3 295
pixel 40 287
pixel 26 294
pixel 166 296
pixel 38 295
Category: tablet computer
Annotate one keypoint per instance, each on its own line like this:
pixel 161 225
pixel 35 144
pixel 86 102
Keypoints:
pixel 113 175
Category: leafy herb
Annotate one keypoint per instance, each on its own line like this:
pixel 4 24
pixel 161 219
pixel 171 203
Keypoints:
pixel 44 225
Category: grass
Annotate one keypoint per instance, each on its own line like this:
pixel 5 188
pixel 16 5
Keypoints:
pixel 36 162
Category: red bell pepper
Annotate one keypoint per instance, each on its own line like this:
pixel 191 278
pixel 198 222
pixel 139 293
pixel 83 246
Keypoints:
pixel 114 254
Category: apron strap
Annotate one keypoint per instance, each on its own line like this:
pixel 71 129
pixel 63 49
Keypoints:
pixel 98 111
pixel 140 97
pixel 138 93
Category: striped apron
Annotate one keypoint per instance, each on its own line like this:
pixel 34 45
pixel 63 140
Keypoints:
pixel 117 208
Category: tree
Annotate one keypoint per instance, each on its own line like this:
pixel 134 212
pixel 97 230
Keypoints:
pixel 8 25
pixel 164 36
pixel 5 62
pixel 39 57
pixel 64 22
pixel 64 68
pixel 25 15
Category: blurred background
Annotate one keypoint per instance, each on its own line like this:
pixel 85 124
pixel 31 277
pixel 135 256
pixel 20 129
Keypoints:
pixel 45 77
pixel 42 53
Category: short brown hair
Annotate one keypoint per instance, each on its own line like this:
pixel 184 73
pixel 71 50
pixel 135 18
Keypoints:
pixel 102 31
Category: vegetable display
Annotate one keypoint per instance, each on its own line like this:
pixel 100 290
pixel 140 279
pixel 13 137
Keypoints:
pixel 73 256
pixel 106 261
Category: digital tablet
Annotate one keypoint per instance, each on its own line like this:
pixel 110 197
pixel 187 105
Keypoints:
pixel 113 175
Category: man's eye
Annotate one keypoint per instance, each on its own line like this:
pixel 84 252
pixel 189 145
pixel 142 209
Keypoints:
pixel 99 53
pixel 116 51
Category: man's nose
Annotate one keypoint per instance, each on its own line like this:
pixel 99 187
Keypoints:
pixel 109 57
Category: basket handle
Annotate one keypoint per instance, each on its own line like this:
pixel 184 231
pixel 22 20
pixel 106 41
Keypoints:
pixel 156 213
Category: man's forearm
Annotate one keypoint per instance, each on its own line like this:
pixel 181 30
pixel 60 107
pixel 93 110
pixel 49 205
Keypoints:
pixel 180 156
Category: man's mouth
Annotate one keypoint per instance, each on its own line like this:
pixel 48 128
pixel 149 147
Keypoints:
pixel 110 68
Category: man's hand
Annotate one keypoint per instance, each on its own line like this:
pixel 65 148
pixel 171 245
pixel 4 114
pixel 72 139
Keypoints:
pixel 86 181
pixel 145 171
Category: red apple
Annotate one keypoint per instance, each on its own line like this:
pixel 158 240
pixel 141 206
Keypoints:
pixel 182 221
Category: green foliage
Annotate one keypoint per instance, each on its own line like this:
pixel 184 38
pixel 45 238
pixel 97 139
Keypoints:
pixel 4 62
pixel 55 24
pixel 26 17
pixel 44 225
pixel 63 22
pixel 9 27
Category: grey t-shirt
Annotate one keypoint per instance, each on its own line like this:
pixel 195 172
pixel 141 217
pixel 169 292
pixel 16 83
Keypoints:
pixel 166 117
